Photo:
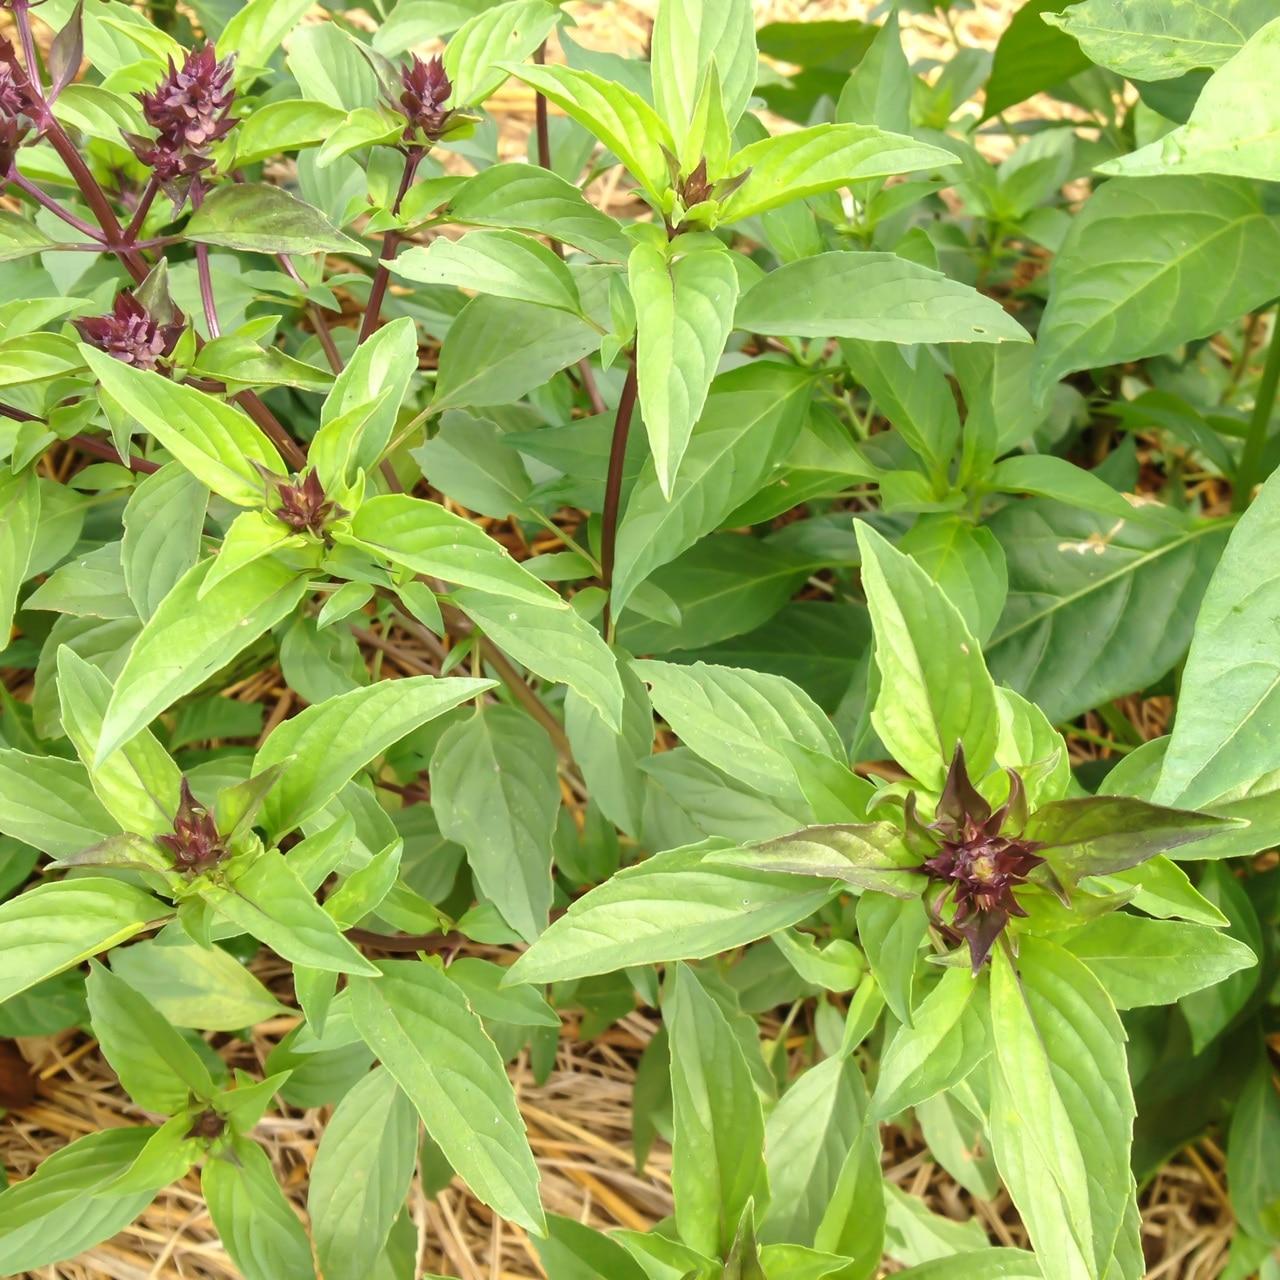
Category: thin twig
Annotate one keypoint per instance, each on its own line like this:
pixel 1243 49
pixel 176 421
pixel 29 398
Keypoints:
pixel 318 322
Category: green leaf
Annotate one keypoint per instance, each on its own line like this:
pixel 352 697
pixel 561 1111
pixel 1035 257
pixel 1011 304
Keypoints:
pixel 495 791
pixel 620 118
pixel 361 1174
pixel 189 639
pixel 1251 1147
pixel 688 39
pixel 262 218
pixel 1234 126
pixel 195 986
pixel 324 746
pixel 752 417
pixel 672 906
pixel 946 1041
pixel 420 1026
pixel 1225 733
pixel 480 365
pixel 158 1068
pixel 852 1224
pixel 717 1157
pixel 256 29
pixel 737 719
pixel 65 1208
pixel 571 1250
pixel 1074 573
pixel 376 378
pixel 878 90
pixel 37 357
pixel 1146 962
pixel 553 642
pixel 981 1264
pixel 967 562
pixel 523 197
pixel 1153 263
pixel 892 933
pixel 215 442
pixel 363 127
pixel 48 802
pixel 503 263
pixel 1061 1108
pixel 268 900
pixel 504 33
pixel 875 296
pixel 162 523
pixel 1047 476
pixel 138 784
pixel 20 238
pixel 56 925
pixel 19 521
pixel 869 856
pixel 684 312
pixel 287 125
pixel 935 691
pixel 824 157
pixel 1030 57
pixel 809 1134
pixel 483 983
pixel 1096 835
pixel 258 1227
pixel 1161 39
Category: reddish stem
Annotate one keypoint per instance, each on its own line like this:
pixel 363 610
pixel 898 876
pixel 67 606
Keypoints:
pixel 382 276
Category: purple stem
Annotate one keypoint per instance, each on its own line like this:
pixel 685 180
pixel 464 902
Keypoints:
pixel 54 207
pixel 389 241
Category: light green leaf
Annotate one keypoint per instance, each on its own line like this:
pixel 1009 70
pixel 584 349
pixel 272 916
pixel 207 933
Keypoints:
pixel 620 118
pixel 684 312
pixel 792 166
pixel 735 719
pixel 981 1264
pixel 158 1068
pixel 214 441
pixel 1145 962
pixel 553 642
pixel 268 900
pixel 494 790
pixel 263 218
pixel 420 1026
pixel 19 521
pixel 1161 39
pixel 250 536
pixel 690 38
pixel 255 30
pixel 524 197
pixel 426 538
pixel 967 562
pixel 55 925
pixel 473 58
pixel 672 906
pixel 1074 573
pixel 1234 126
pixel 935 691
pixel 20 238
pixel 876 296
pixel 195 986
pixel 287 125
pixel 1227 731
pixel 49 803
pixel 503 263
pixel 946 1041
pixel 1047 476
pixel 480 365
pixel 188 639
pixel 808 1137
pixel 377 376
pixel 717 1157
pixel 64 1208
pixel 360 1175
pixel 1153 263
pixel 324 746
pixel 751 418
pixel 138 784
pixel 162 523
pixel 1251 1148
pixel 1061 1134
pixel 257 1226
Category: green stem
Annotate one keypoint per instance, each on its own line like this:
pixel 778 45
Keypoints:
pixel 1249 474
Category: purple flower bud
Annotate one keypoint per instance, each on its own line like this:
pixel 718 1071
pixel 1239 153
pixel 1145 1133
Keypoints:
pixel 979 863
pixel 194 842
pixel 424 90
pixel 304 506
pixel 130 333
pixel 17 109
pixel 189 107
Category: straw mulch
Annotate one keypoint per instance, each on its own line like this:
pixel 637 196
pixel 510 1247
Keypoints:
pixel 579 1121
